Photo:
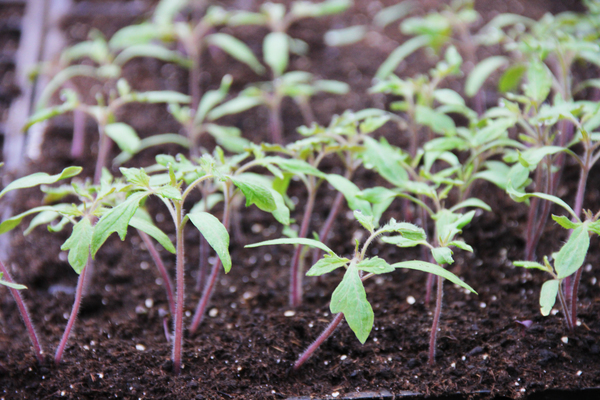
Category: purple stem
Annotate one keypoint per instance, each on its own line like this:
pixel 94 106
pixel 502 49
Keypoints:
pixel 166 329
pixel 210 284
pixel 574 287
pixel 322 337
pixel 76 303
pixel 78 142
pixel 24 315
pixel 103 151
pixel 204 249
pixel 161 269
pixel 333 213
pixel 436 319
pixel 295 272
pixel 430 279
pixel 275 123
pixel 180 287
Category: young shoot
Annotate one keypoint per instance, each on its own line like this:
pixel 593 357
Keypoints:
pixel 349 299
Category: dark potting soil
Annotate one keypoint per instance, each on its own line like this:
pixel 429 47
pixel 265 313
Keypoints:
pixel 250 338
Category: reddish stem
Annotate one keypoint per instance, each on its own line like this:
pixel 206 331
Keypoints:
pixel 295 270
pixel 180 287
pixel 574 287
pixel 210 284
pixel 204 249
pixel 78 142
pixel 326 228
pixel 436 320
pixel 275 123
pixel 322 337
pixel 37 348
pixel 161 269
pixel 76 303
pixel 104 147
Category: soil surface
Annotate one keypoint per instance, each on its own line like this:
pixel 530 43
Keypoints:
pixel 250 338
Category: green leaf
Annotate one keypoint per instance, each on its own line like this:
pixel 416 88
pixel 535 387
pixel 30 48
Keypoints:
pixel 511 78
pixel 11 223
pixel 572 255
pixel 150 50
pixel 365 220
pixel 276 52
pixel 293 165
pixel 124 136
pixel 481 72
pixel 433 269
pixel 530 158
pixel 228 137
pixel 375 265
pixel 448 96
pixel 166 10
pixel 151 141
pixel 298 241
pixel 331 86
pixel 133 35
pixel 402 241
pixel 399 54
pixel 350 192
pixel 496 172
pixel 160 96
pixel 548 296
pixel 461 245
pixel 386 160
pixel 406 229
pixel 116 220
pixel 236 49
pixel 539 81
pixel 438 122
pixel 78 244
pixel 43 218
pixel 442 255
pixel 255 193
pixel 393 13
pixel 141 220
pixel 521 196
pixel 11 285
pixel 472 202
pixel 211 98
pixel 350 298
pixel 235 106
pixel 167 191
pixel 565 222
pixel 215 234
pixel 345 36
pixel 327 264
pixel 530 265
pixel 40 178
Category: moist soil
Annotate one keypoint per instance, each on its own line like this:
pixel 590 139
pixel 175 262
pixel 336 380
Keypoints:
pixel 250 338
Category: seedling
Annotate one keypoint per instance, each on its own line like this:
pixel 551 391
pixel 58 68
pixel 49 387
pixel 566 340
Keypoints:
pixel 426 185
pixel 277 47
pixel 569 259
pixel 107 70
pixel 349 300
pixel 543 53
pixel 36 179
pixel 344 138
pixel 193 38
pixel 173 188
